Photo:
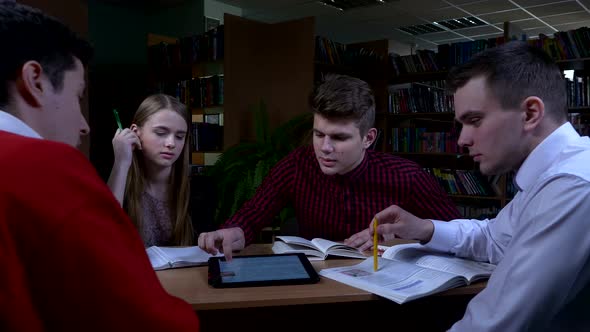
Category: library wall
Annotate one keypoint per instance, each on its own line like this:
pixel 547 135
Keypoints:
pixel 242 79
pixel 178 21
pixel 290 68
pixel 265 62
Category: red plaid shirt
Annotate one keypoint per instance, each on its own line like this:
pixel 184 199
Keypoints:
pixel 338 206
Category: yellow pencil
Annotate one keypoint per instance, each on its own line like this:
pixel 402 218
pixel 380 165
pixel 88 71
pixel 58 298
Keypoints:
pixel 375 245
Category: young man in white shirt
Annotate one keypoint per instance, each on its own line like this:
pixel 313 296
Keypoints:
pixel 512 103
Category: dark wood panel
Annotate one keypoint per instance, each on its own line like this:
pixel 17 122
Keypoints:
pixel 265 62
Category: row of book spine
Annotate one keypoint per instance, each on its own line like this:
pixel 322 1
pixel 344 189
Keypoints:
pixel 563 45
pixel 580 123
pixel 463 182
pixel 201 92
pixel 578 91
pixel 206 137
pixel 423 140
pixel 421 61
pixel 334 53
pixel 419 98
pixel 447 56
pixel 205 47
pixel 477 212
pixel 189 50
pixel 328 51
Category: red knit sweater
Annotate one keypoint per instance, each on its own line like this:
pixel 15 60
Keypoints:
pixel 70 258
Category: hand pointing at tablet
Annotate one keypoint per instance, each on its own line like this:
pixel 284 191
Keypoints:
pixel 227 240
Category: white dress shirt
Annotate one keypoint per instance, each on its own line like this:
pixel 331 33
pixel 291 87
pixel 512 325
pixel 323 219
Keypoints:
pixel 540 241
pixel 14 125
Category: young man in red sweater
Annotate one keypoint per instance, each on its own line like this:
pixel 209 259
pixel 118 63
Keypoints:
pixel 71 259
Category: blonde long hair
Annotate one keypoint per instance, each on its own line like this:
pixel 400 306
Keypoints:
pixel 178 185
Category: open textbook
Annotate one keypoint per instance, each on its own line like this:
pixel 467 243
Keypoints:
pixel 410 271
pixel 316 249
pixel 171 257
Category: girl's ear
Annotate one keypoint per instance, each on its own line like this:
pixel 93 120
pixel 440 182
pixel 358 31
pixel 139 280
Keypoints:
pixel 134 128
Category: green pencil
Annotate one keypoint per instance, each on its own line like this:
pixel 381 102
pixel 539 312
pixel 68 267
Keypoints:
pixel 117 118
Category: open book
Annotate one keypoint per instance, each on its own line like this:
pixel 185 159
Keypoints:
pixel 171 257
pixel 316 249
pixel 410 271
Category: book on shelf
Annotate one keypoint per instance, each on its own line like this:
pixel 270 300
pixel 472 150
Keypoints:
pixel 410 271
pixel 173 257
pixel 206 136
pixel 465 182
pixel 316 249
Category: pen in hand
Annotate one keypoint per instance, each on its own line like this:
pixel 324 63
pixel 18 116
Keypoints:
pixel 375 246
pixel 117 118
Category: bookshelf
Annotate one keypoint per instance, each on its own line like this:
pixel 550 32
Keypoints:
pixel 421 127
pixel 254 62
pixel 578 82
pixel 413 104
pixel 414 73
pixel 364 60
pixel 570 51
pixel 192 69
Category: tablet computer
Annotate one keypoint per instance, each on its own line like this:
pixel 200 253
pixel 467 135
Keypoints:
pixel 261 270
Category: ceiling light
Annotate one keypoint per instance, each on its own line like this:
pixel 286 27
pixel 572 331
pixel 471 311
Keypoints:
pixel 352 4
pixel 452 24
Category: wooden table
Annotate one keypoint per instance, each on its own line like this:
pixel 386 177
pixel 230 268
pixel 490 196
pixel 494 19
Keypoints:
pixel 244 307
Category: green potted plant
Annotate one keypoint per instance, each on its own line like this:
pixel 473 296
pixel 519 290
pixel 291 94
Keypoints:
pixel 241 168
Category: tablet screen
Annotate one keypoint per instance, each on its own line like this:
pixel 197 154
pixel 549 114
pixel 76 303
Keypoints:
pixel 261 270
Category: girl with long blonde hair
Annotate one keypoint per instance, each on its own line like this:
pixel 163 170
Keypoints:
pixel 150 171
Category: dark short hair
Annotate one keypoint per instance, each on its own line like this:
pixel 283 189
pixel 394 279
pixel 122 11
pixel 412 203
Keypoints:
pixel 513 72
pixel 344 97
pixel 28 34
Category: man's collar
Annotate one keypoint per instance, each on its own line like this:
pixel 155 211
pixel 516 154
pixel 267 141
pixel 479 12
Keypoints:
pixel 544 155
pixel 359 170
pixel 12 124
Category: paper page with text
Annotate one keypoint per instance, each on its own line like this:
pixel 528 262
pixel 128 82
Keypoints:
pixel 417 254
pixel 297 240
pixel 324 244
pixel 187 255
pixel 171 257
pixel 157 258
pixel 280 247
pixel 397 281
pixel 299 244
pixel 338 249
